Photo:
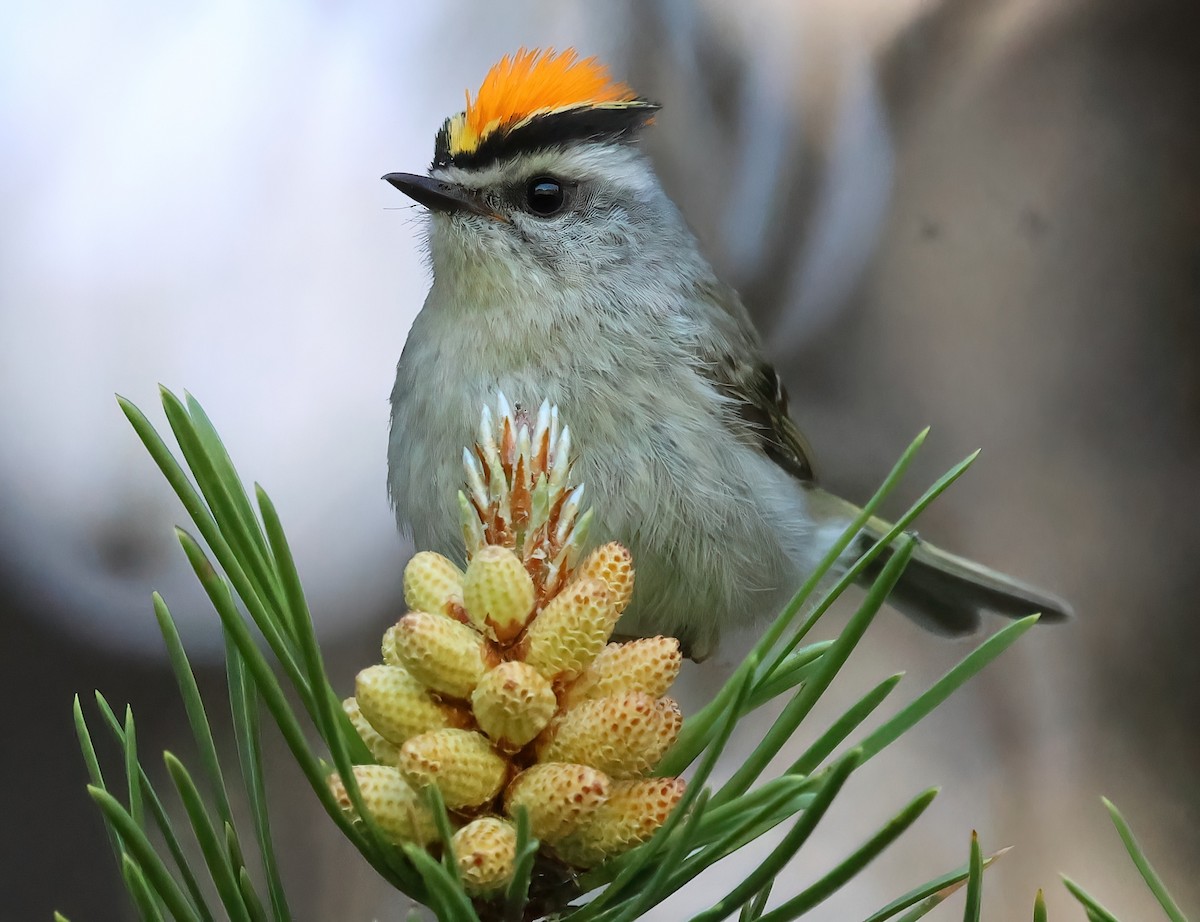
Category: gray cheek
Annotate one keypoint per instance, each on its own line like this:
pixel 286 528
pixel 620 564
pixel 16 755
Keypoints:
pixel 542 246
pixel 595 246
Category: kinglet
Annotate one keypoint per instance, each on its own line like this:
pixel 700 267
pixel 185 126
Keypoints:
pixel 561 271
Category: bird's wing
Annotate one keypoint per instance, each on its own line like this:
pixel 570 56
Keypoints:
pixel 730 357
pixel 759 400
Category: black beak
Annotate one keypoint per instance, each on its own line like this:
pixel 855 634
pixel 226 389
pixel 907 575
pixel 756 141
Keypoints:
pixel 437 195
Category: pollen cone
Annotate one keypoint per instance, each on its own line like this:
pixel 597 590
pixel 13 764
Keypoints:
pixel 648 665
pixel 498 592
pixel 513 704
pixel 399 810
pixel 631 815
pixel 461 764
pixel 486 851
pixel 557 797
pixel 623 736
pixel 398 706
pixel 384 753
pixel 570 631
pixel 613 565
pixel 433 583
pixel 442 654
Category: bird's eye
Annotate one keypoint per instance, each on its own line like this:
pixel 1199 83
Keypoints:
pixel 545 196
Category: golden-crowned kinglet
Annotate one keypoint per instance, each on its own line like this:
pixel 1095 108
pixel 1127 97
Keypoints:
pixel 561 271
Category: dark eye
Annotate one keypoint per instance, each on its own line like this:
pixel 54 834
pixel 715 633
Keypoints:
pixel 544 196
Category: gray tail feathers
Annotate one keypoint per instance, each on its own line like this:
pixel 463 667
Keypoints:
pixel 946 594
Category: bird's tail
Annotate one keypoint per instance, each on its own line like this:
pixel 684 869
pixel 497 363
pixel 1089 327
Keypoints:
pixel 946 594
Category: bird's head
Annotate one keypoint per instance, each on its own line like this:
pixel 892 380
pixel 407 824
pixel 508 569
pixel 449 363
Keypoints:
pixel 539 182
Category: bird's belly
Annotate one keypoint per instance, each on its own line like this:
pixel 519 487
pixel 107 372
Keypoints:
pixel 716 529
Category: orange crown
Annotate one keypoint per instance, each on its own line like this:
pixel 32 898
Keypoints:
pixel 529 84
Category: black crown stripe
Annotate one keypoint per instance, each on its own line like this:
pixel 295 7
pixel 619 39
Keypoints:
pixel 591 123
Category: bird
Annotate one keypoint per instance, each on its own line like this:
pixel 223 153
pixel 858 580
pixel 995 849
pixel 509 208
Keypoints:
pixel 562 271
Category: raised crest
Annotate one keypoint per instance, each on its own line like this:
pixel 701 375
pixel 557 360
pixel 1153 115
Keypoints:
pixel 535 97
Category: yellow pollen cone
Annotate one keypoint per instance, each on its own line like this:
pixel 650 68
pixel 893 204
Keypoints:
pixel 613 564
pixel 401 813
pixel 433 583
pixel 498 592
pixel 391 653
pixel 486 851
pixel 399 706
pixel 568 633
pixel 648 665
pixel 443 654
pixel 557 797
pixel 461 764
pixel 385 753
pixel 623 736
pixel 513 703
pixel 630 816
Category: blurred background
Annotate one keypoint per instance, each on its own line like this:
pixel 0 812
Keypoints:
pixel 979 216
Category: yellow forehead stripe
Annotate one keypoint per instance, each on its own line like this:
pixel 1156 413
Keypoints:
pixel 528 84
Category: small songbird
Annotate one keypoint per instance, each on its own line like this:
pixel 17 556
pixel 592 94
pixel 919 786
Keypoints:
pixel 562 271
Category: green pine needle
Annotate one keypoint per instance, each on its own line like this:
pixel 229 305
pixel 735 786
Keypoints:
pixel 243 699
pixel 159 813
pixel 841 728
pixel 1092 906
pixel 84 736
pixel 1153 881
pixel 926 703
pixel 212 845
pixel 974 882
pixel 140 849
pixel 1039 907
pixel 193 704
pixel 143 896
pixel 851 866
pixel 517 894
pixel 782 853
pixel 924 898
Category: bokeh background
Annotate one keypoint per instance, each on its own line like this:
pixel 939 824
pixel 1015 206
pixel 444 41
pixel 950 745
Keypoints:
pixel 980 216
